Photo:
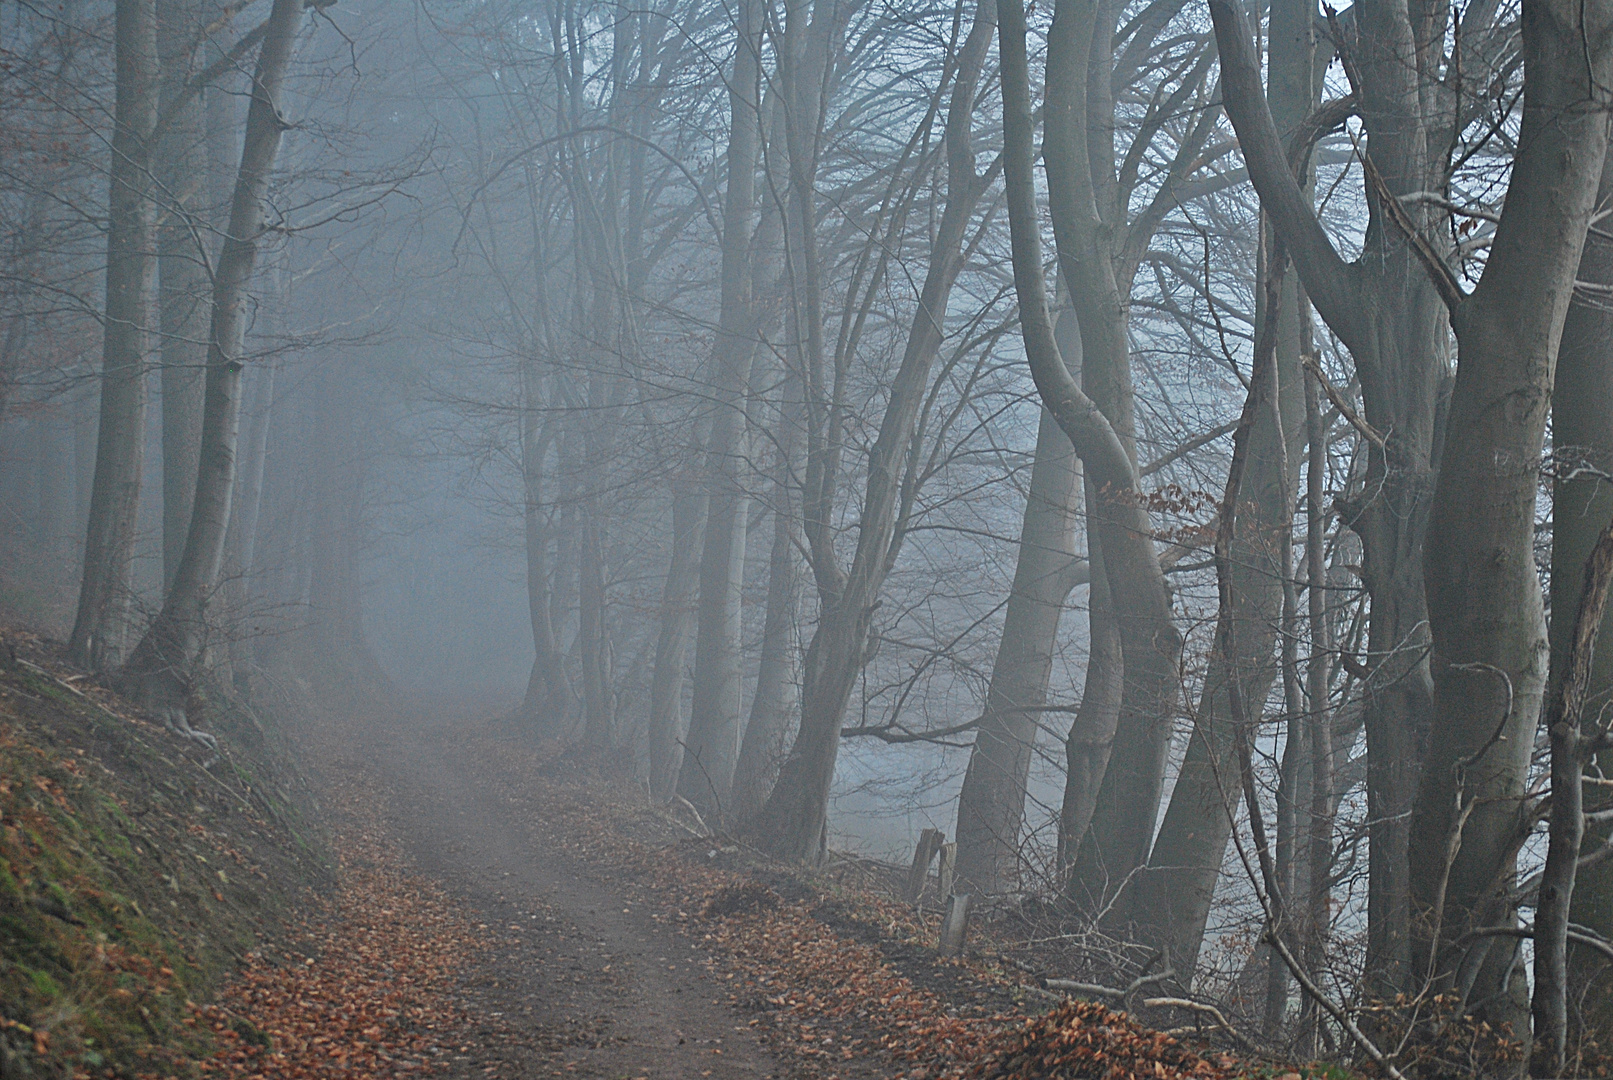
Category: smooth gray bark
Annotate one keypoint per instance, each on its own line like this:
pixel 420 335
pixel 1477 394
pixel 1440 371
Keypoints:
pixel 1484 600
pixel 776 696
pixel 550 698
pixel 1087 218
pixel 162 669
pixel 1124 529
pixel 991 805
pixel 1171 904
pixel 184 292
pixel 712 746
pixel 1390 316
pixel 793 823
pixel 678 595
pixel 101 625
pixel 1092 734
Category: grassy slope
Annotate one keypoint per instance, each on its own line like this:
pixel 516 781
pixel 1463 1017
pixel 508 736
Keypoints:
pixel 131 877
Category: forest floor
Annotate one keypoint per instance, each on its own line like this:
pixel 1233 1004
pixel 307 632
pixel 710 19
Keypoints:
pixel 558 926
pixel 469 903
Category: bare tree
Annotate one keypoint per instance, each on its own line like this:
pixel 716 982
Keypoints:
pixel 102 622
pixel 162 666
pixel 793 822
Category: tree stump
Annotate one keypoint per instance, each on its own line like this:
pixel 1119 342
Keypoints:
pixel 949 866
pixel 929 843
pixel 955 926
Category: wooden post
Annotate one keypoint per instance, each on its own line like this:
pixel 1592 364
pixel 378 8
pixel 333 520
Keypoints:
pixel 929 841
pixel 955 926
pixel 949 865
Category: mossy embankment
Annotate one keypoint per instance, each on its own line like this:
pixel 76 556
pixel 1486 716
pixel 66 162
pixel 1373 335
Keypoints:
pixel 136 867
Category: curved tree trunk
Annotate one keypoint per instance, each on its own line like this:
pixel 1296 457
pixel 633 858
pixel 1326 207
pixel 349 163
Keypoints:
pixel 1079 160
pixel 1484 602
pixel 1171 903
pixel 101 626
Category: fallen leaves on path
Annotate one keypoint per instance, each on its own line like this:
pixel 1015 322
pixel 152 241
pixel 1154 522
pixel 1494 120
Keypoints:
pixel 829 998
pixel 361 989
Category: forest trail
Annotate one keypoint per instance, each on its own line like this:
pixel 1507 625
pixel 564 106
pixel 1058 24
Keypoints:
pixel 583 982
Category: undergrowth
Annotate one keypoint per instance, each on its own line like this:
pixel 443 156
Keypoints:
pixel 133 871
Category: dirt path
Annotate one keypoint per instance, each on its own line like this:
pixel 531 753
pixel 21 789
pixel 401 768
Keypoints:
pixel 585 983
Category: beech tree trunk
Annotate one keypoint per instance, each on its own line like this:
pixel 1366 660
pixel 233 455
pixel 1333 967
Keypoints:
pixel 162 669
pixel 101 625
pixel 793 823
pixel 550 698
pixel 184 293
pixel 1582 506
pixel 246 513
pixel 678 595
pixel 1149 642
pixel 1390 316
pixel 772 705
pixel 1171 903
pixel 1077 155
pixel 1092 735
pixel 1484 601
pixel 712 745
pixel 991 805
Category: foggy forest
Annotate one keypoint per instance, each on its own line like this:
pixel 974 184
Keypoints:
pixel 1019 539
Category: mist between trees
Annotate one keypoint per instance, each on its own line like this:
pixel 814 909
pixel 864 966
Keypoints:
pixel 1164 444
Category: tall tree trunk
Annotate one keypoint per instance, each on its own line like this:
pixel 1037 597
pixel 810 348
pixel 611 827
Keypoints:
pixel 775 698
pixel 163 666
pixel 793 823
pixel 713 740
pixel 1171 904
pixel 1318 680
pixel 991 806
pixel 672 644
pixel 550 697
pixel 101 626
pixel 1582 505
pixel 1092 734
pixel 181 165
pixel 593 635
pixel 712 747
pixel 1124 529
pixel 246 513
pixel 1389 315
pixel 1484 604
pixel 1122 825
pixel 86 406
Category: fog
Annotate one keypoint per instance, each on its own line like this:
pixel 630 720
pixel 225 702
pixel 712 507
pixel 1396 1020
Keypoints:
pixel 835 420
